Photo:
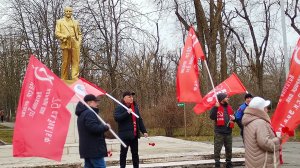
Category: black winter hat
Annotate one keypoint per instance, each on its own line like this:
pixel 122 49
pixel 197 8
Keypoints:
pixel 128 93
pixel 248 95
pixel 90 97
pixel 221 96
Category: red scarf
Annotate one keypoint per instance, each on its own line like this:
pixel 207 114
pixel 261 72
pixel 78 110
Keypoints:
pixel 220 116
pixel 133 120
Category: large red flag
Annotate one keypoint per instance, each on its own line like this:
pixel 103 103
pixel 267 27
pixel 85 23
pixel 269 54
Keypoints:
pixel 196 45
pixel 42 120
pixel 230 86
pixel 187 81
pixel 83 87
pixel 287 114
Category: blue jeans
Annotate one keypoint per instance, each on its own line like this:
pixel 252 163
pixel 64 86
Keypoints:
pixel 94 163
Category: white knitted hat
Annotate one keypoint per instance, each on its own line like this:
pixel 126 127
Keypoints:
pixel 259 103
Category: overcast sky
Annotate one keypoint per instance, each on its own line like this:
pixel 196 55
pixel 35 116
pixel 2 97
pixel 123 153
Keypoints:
pixel 170 34
pixel 172 37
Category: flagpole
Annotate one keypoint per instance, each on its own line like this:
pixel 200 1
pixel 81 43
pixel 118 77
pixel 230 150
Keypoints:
pixel 121 104
pixel 211 81
pixel 283 25
pixel 101 120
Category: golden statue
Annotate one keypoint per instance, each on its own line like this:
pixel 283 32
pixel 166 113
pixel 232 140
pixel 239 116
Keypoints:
pixel 68 32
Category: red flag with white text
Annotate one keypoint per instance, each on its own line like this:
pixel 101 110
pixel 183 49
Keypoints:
pixel 83 87
pixel 187 80
pixel 287 114
pixel 42 120
pixel 230 86
pixel 196 45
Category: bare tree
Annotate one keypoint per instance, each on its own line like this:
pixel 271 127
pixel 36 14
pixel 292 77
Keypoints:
pixel 207 30
pixel 255 51
pixel 108 31
pixel 12 69
pixel 292 11
pixel 36 20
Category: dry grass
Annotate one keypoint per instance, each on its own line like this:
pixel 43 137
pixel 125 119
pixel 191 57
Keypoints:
pixel 6 134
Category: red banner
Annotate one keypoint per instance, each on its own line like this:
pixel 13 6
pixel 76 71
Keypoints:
pixel 230 86
pixel 42 119
pixel 196 45
pixel 83 87
pixel 187 81
pixel 287 114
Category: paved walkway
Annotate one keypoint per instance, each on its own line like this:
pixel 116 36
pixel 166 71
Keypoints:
pixel 8 124
pixel 166 149
pixel 164 146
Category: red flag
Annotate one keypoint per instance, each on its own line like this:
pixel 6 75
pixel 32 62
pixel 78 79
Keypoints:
pixel 230 86
pixel 42 120
pixel 83 87
pixel 196 45
pixel 187 81
pixel 287 114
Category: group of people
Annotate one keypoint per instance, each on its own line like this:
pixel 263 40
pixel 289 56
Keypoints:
pixel 92 145
pixel 260 141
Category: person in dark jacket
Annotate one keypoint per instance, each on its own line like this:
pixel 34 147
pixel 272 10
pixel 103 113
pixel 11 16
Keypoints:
pixel 223 116
pixel 2 115
pixel 240 112
pixel 129 127
pixel 92 145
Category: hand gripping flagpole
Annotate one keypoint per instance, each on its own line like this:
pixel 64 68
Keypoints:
pixel 101 120
pixel 121 104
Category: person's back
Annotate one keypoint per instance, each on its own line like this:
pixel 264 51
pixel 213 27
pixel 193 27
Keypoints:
pixel 92 145
pixel 261 145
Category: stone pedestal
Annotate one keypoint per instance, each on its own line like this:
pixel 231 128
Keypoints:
pixel 72 136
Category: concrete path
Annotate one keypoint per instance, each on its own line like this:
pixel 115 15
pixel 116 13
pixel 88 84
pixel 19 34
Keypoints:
pixel 164 146
pixel 166 149
pixel 8 124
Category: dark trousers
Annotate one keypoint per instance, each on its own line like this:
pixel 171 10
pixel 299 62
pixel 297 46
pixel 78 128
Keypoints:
pixel 239 123
pixel 2 118
pixel 219 141
pixel 133 144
